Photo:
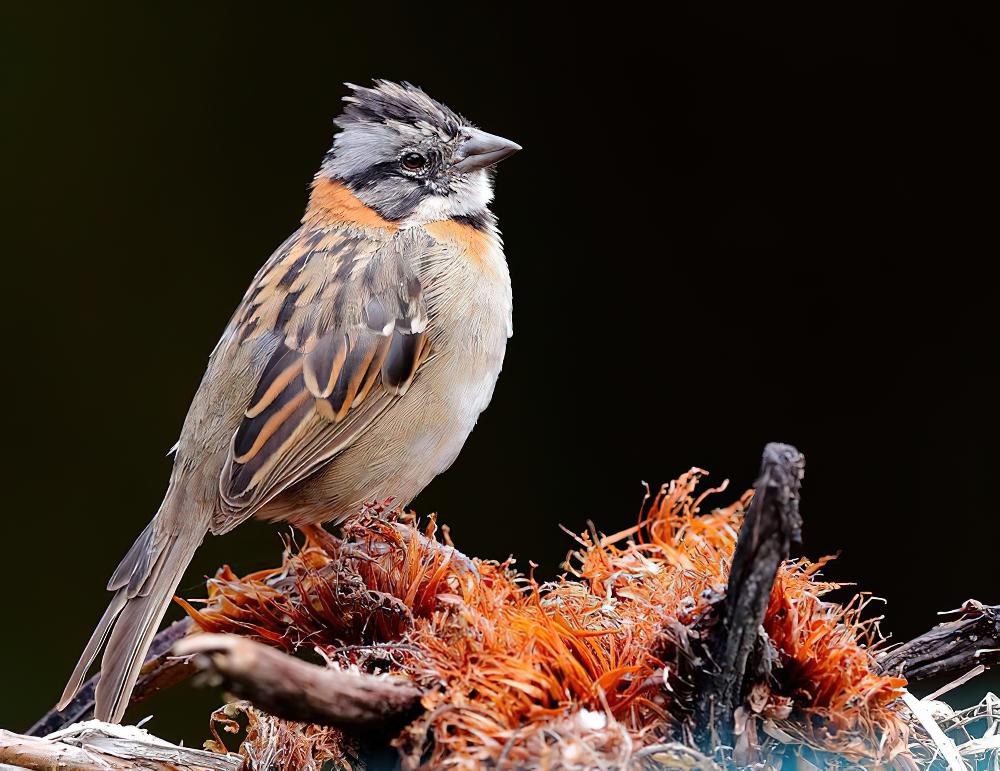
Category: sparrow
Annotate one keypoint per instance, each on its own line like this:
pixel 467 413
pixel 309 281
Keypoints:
pixel 354 368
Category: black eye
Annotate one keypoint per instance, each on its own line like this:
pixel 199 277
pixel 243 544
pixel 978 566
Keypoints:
pixel 413 161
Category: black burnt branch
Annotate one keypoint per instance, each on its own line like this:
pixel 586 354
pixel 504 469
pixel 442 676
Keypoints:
pixel 772 524
pixel 957 646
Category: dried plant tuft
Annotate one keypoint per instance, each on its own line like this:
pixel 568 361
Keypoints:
pixel 590 671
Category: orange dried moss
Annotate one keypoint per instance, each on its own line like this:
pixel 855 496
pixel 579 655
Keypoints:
pixel 279 745
pixel 522 672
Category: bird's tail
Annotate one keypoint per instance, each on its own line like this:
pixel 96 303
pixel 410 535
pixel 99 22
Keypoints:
pixel 143 586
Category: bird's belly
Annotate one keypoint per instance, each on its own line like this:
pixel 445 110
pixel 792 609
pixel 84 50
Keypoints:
pixel 417 438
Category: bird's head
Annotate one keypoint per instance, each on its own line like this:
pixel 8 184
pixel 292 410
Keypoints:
pixel 410 157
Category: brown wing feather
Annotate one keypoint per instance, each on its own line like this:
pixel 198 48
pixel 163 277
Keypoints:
pixel 341 321
pixel 323 364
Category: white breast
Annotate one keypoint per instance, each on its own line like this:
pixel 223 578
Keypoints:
pixel 470 305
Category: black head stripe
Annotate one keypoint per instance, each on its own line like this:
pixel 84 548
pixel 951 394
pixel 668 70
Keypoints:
pixel 400 102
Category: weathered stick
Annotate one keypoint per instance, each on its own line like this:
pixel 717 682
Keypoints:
pixel 954 646
pixel 95 746
pixel 161 670
pixel 772 523
pixel 292 689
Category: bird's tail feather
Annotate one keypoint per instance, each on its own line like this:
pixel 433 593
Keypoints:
pixel 144 585
pixel 93 648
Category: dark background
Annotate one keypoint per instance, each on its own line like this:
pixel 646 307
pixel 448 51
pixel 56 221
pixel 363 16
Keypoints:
pixel 727 227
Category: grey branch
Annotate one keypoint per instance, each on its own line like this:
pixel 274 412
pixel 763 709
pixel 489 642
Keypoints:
pixel 96 746
pixel 772 524
pixel 949 648
pixel 296 690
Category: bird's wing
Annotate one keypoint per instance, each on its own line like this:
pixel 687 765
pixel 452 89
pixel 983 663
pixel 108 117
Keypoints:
pixel 350 319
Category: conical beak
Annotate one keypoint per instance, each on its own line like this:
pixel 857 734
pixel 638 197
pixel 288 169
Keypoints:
pixel 479 150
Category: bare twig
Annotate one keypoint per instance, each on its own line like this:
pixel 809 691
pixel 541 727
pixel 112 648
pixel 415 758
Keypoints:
pixel 954 646
pixel 772 523
pixel 296 690
pixel 161 670
pixel 95 746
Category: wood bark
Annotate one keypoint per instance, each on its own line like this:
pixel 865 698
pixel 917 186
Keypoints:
pixel 953 647
pixel 95 746
pixel 771 525
pixel 296 690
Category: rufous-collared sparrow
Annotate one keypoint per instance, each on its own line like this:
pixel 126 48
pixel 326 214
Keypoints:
pixel 355 367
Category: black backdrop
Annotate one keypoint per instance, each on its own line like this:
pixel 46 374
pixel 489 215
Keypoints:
pixel 726 227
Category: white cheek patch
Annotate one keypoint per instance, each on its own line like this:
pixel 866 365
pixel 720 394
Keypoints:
pixel 431 209
pixel 470 195
pixel 476 194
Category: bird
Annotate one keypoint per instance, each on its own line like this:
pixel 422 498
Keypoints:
pixel 354 368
